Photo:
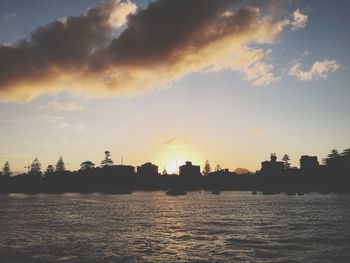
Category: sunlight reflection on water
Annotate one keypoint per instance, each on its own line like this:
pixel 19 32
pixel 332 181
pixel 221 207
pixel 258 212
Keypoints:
pixel 153 227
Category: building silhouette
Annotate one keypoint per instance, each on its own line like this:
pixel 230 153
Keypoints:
pixel 118 170
pixel 272 167
pixel 147 169
pixel 309 163
pixel 189 170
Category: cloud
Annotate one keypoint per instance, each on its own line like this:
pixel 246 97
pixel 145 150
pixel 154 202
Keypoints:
pixel 319 70
pixel 170 140
pixel 299 20
pixel 120 12
pixel 61 106
pixel 153 48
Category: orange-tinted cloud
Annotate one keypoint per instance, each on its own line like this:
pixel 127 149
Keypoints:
pixel 159 44
pixel 319 70
pixel 299 20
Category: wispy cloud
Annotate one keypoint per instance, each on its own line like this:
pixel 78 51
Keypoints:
pixel 319 70
pixel 155 47
pixel 299 20
pixel 170 140
pixel 61 106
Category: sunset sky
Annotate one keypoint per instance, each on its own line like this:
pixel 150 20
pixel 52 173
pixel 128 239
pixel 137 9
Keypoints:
pixel 223 80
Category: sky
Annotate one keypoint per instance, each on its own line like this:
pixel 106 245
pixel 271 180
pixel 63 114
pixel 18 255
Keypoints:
pixel 170 81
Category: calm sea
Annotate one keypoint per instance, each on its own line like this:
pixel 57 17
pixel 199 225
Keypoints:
pixel 153 227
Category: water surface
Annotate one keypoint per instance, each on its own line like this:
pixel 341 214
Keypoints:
pixel 153 227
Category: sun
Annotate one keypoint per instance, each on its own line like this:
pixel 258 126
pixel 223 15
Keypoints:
pixel 172 166
pixel 172 158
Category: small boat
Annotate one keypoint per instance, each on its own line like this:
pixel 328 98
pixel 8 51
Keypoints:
pixel 254 192
pixel 291 193
pixel 215 192
pixel 176 192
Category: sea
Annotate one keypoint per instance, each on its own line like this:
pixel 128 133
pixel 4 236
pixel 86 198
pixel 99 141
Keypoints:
pixel 232 226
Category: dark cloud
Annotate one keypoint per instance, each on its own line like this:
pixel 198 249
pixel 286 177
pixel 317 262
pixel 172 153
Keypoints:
pixel 164 28
pixel 158 44
pixel 61 45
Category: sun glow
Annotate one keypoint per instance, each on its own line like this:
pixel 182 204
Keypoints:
pixel 172 166
pixel 173 157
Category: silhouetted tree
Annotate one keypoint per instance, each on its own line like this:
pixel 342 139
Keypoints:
pixel 35 168
pixel 107 161
pixel 286 160
pixel 164 172
pixel 6 170
pixel 346 158
pixel 49 170
pixel 60 166
pixel 218 168
pixel 207 168
pixel 346 153
pixel 87 165
pixel 273 157
pixel 334 154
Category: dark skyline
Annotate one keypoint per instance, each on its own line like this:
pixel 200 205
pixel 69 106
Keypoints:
pixel 274 177
pixel 108 161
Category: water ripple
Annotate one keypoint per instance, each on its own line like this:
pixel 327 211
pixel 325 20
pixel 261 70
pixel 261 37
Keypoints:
pixel 153 227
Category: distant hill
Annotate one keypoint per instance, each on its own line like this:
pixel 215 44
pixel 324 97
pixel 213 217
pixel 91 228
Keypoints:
pixel 242 171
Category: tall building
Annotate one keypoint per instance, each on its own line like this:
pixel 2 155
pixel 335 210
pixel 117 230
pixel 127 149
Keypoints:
pixel 147 169
pixel 189 170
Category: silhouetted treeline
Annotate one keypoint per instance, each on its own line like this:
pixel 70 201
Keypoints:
pixel 274 176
